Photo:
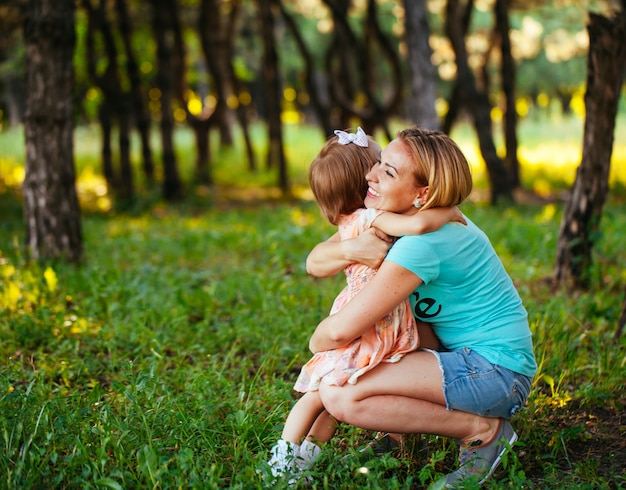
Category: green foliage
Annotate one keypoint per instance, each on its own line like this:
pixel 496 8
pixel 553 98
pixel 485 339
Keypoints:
pixel 167 359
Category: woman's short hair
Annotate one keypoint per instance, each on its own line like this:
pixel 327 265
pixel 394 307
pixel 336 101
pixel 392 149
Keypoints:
pixel 439 164
pixel 337 176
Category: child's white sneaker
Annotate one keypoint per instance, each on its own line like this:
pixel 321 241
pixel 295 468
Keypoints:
pixel 285 460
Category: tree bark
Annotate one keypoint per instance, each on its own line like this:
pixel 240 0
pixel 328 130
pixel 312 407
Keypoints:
pixel 115 104
pixel 321 109
pixel 273 94
pixel 216 49
pixel 581 219
pixel 142 117
pixel 51 209
pixel 477 102
pixel 241 111
pixel 455 100
pixel 172 186
pixel 622 320
pixel 507 71
pixel 423 77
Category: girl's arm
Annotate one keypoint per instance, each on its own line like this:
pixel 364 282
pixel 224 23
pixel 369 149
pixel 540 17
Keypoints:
pixel 418 223
pixel 333 255
pixel 387 289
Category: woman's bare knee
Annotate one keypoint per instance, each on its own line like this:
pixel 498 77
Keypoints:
pixel 336 401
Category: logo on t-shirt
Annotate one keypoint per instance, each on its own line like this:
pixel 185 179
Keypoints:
pixel 424 308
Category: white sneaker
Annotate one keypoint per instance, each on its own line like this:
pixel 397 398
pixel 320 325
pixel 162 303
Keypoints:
pixel 286 461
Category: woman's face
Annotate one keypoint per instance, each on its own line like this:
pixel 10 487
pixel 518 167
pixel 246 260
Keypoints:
pixel 392 185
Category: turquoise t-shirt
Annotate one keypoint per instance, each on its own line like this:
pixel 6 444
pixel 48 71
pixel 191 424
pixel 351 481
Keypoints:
pixel 467 295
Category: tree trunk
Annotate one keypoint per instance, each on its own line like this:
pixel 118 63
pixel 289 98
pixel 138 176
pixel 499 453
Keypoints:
pixel 273 95
pixel 380 111
pixel 321 109
pixel 622 320
pixel 241 112
pixel 51 210
pixel 106 152
pixel 581 219
pixel 201 123
pixel 172 186
pixel 507 71
pixel 115 104
pixel 142 118
pixel 215 48
pixel 423 76
pixel 477 102
pixel 455 100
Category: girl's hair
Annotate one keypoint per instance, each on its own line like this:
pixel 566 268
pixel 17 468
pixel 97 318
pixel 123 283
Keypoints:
pixel 439 164
pixel 337 176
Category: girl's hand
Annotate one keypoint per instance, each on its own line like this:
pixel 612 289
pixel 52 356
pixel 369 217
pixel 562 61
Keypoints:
pixel 457 216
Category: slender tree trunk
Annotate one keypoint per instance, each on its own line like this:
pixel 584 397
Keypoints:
pixel 622 320
pixel 124 109
pixel 381 110
pixel 241 112
pixel 51 210
pixel 215 48
pixel 172 186
pixel 142 118
pixel 115 104
pixel 423 76
pixel 321 109
pixel 478 104
pixel 273 95
pixel 508 88
pixel 455 100
pixel 201 123
pixel 106 152
pixel 581 219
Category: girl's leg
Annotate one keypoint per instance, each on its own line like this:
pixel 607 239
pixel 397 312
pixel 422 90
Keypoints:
pixel 302 417
pixel 323 428
pixel 291 455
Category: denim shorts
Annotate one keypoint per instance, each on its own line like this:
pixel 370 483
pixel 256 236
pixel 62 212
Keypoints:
pixel 473 384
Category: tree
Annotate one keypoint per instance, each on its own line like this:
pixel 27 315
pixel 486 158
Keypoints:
pixel 172 185
pixel 352 68
pixel 477 102
pixel 507 73
pixel 51 210
pixel 273 93
pixel 142 118
pixel 423 76
pixel 115 104
pixel 581 219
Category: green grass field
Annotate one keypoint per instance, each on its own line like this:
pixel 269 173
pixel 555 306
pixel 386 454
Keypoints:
pixel 167 359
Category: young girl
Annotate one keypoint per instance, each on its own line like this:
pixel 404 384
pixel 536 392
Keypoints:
pixel 337 179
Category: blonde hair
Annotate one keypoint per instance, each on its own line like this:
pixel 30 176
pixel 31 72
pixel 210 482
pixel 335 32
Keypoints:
pixel 439 164
pixel 337 176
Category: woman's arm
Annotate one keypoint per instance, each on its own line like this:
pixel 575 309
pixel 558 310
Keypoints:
pixel 333 255
pixel 391 285
pixel 417 223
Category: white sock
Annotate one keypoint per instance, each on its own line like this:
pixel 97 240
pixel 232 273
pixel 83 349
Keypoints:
pixel 309 452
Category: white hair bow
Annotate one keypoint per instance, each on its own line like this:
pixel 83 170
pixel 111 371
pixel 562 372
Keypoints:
pixel 359 138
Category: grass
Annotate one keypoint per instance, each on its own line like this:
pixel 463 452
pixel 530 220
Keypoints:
pixel 167 359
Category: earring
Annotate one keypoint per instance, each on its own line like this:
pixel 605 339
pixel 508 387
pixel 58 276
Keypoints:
pixel 417 204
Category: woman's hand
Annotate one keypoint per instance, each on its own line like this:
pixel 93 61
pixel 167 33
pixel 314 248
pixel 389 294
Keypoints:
pixel 333 255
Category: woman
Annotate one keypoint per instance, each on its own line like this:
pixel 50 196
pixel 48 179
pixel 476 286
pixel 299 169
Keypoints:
pixel 456 283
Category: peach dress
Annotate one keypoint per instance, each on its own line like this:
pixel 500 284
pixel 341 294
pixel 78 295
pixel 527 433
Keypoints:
pixel 386 341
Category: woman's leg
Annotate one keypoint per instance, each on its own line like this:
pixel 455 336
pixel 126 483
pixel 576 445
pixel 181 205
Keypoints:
pixel 405 397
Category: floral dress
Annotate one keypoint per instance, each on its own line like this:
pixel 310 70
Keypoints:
pixel 386 341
